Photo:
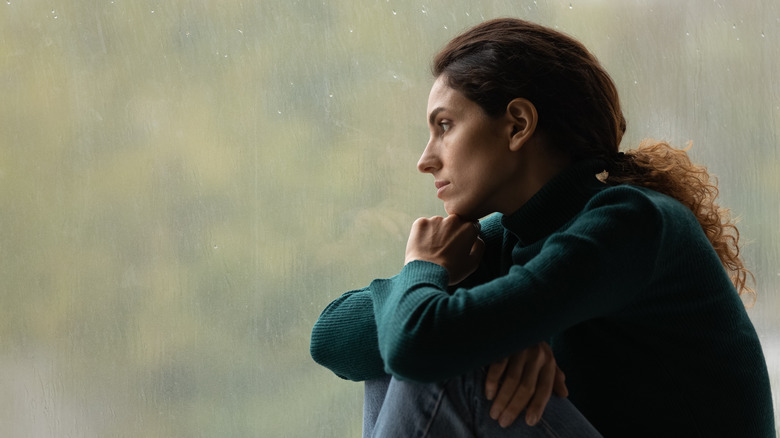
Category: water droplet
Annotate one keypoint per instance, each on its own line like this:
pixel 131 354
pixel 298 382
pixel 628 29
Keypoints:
pixel 762 33
pixel 216 247
pixel 350 31
pixel 394 12
pixel 635 82
pixel 152 11
pixel 278 111
pixel 330 95
pixel 571 6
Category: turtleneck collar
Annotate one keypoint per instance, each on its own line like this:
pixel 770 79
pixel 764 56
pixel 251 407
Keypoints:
pixel 556 202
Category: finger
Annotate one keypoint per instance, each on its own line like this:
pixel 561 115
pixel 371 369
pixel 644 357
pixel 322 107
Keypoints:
pixel 528 386
pixel 508 386
pixel 559 386
pixel 542 394
pixel 495 371
pixel 461 225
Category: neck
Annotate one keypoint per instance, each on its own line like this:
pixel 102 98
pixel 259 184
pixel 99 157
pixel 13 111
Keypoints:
pixel 539 163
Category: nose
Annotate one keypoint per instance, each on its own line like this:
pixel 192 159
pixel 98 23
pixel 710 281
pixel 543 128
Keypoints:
pixel 429 161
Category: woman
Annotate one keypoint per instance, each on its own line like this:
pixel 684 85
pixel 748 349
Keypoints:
pixel 622 261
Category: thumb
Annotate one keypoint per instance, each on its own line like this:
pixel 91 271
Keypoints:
pixel 477 250
pixel 559 386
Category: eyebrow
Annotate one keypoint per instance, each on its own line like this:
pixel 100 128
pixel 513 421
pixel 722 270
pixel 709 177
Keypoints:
pixel 433 115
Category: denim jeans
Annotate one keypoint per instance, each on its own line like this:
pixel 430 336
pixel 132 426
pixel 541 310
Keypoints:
pixel 456 408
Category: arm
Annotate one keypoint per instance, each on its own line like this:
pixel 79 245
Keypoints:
pixel 589 269
pixel 344 338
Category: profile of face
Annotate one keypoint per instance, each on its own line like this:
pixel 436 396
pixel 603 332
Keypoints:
pixel 471 155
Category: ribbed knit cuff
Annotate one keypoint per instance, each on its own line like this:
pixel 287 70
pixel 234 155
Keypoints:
pixel 416 273
pixel 426 272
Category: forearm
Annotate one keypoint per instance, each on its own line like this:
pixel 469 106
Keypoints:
pixel 344 338
pixel 588 269
pixel 425 334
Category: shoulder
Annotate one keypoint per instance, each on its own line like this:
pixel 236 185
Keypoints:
pixel 633 205
pixel 639 198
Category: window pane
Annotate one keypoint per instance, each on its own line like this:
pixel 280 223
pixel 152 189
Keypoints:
pixel 186 184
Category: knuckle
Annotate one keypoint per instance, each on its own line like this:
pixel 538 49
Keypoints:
pixel 526 387
pixel 510 382
pixel 513 374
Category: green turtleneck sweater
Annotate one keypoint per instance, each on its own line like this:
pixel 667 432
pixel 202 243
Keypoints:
pixel 622 282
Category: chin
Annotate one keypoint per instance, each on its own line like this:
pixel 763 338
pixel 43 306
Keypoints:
pixel 464 214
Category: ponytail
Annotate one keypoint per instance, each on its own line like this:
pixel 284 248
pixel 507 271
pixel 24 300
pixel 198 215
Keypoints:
pixel 660 167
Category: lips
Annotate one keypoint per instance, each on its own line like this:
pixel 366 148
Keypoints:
pixel 441 185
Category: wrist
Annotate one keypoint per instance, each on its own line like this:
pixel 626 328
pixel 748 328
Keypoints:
pixel 427 271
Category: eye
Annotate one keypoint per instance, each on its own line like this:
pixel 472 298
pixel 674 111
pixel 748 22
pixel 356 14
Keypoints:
pixel 445 125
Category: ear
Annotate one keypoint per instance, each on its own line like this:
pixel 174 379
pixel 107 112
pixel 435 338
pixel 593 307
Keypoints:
pixel 522 116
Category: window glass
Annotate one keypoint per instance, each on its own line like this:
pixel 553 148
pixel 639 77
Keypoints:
pixel 184 186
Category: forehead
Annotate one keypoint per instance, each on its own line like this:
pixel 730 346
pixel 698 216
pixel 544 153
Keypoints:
pixel 442 96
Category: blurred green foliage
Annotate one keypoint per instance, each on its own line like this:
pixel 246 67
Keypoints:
pixel 186 184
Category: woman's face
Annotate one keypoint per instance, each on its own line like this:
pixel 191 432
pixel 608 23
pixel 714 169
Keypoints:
pixel 469 156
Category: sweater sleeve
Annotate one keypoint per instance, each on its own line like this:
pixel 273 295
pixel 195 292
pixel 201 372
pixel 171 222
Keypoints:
pixel 587 269
pixel 344 338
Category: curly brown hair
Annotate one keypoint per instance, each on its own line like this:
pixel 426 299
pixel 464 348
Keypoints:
pixel 579 110
pixel 660 167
